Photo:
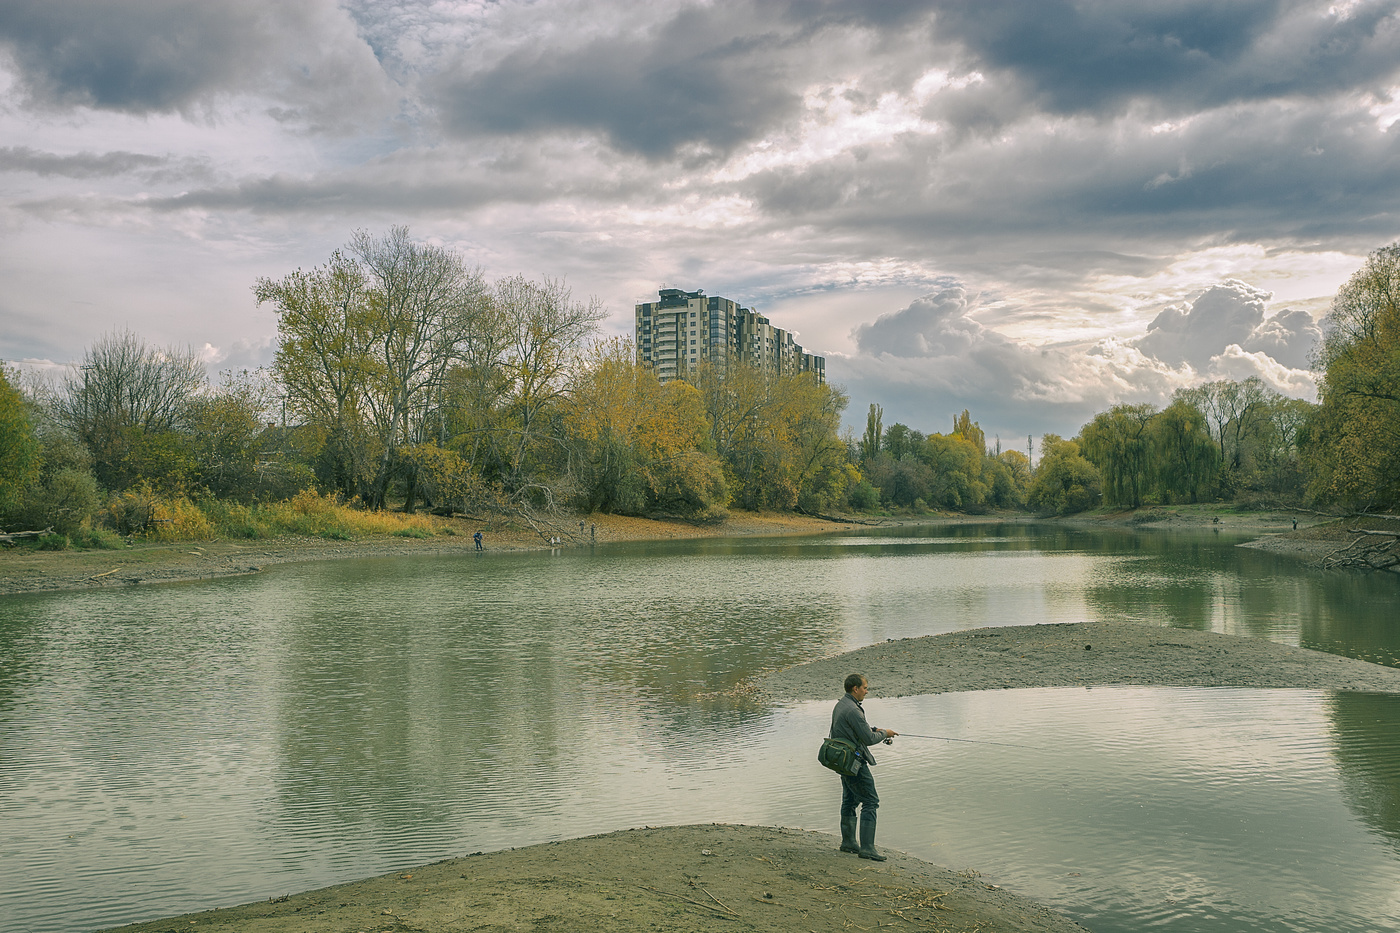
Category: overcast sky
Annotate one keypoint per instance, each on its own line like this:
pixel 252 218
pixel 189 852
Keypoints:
pixel 1033 209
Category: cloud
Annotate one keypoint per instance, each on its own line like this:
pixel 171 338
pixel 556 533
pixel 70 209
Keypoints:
pixel 698 81
pixel 161 56
pixel 1225 315
pixel 926 362
pixel 1185 54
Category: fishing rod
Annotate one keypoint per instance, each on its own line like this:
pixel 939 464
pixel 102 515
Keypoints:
pixel 949 738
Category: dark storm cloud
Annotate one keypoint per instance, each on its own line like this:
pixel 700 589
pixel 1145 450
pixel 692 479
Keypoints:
pixel 80 165
pixel 138 57
pixel 143 57
pixel 1081 56
pixel 694 82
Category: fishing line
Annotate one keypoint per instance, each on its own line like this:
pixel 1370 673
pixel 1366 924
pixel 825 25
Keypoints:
pixel 949 738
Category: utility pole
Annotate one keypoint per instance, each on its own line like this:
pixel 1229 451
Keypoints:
pixel 1030 454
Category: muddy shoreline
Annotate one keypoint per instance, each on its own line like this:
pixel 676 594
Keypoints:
pixel 25 570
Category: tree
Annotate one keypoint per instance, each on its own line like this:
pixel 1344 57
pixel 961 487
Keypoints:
pixel 323 362
pixel 365 345
pixel 971 431
pixel 423 305
pixel 870 441
pixel 546 330
pixel 1117 443
pixel 637 446
pixel 1183 454
pixel 126 402
pixel 1064 482
pixel 19 448
pixel 1357 428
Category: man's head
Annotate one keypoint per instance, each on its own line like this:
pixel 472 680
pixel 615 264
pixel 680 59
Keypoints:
pixel 856 686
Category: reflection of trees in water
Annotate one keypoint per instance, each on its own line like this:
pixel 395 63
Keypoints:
pixel 1366 739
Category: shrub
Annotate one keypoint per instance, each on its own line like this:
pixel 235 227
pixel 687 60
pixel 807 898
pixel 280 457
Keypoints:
pixel 180 520
pixel 53 542
pixel 97 539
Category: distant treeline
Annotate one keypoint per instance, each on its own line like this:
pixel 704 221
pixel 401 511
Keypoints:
pixel 402 377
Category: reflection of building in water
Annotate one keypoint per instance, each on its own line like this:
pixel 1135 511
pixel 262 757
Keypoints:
pixel 684 329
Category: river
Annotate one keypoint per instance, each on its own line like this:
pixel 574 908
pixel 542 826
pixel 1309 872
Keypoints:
pixel 165 749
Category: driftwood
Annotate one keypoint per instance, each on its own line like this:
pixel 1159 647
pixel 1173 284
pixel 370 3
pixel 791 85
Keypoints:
pixel 14 536
pixel 1366 553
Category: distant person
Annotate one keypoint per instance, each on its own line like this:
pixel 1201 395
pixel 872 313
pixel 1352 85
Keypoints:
pixel 477 538
pixel 1295 524
pixel 580 526
pixel 593 530
pixel 848 722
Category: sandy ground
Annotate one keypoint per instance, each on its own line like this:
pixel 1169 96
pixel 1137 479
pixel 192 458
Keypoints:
pixel 1078 654
pixel 678 878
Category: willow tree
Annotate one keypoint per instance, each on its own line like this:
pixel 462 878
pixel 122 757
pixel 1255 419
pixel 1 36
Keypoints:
pixel 1118 443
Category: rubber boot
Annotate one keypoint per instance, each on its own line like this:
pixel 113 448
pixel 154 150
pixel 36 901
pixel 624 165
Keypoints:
pixel 867 836
pixel 848 834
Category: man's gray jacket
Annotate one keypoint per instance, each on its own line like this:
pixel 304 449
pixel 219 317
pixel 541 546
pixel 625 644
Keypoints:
pixel 848 722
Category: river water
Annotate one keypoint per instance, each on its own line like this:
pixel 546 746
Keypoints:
pixel 172 748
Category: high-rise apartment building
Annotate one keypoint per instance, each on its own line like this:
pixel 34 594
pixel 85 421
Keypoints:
pixel 684 329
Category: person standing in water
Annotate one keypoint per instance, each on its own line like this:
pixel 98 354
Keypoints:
pixel 858 790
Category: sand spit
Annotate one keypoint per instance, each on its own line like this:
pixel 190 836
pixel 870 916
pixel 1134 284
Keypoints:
pixel 1085 653
pixel 682 879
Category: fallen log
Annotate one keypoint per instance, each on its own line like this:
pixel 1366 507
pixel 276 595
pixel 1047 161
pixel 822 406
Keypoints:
pixel 14 536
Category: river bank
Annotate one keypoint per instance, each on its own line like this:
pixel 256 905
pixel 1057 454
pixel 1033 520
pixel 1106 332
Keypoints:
pixel 676 878
pixel 26 570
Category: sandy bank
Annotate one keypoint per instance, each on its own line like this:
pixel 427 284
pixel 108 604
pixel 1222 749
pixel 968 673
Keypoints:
pixel 681 878
pixel 24 570
pixel 1079 654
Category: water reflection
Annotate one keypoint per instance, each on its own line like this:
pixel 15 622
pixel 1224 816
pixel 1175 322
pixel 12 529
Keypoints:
pixel 171 748
pixel 1365 731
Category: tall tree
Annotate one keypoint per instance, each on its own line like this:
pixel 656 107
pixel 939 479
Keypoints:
pixel 423 307
pixel 870 440
pixel 365 344
pixel 1358 425
pixel 1117 442
pixel 19 448
pixel 325 331
pixel 546 330
pixel 1183 454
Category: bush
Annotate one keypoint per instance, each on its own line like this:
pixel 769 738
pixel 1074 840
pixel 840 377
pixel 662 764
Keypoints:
pixel 53 542
pixel 864 497
pixel 97 539
pixel 66 500
pixel 180 520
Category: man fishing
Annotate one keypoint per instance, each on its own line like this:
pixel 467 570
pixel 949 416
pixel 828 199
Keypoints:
pixel 848 722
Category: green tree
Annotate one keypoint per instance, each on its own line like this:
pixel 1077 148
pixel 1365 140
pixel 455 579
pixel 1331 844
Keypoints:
pixel 1356 432
pixel 1117 443
pixel 1183 454
pixel 1064 482
pixel 19 448
pixel 870 440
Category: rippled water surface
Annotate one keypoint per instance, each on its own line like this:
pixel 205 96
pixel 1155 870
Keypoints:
pixel 167 749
